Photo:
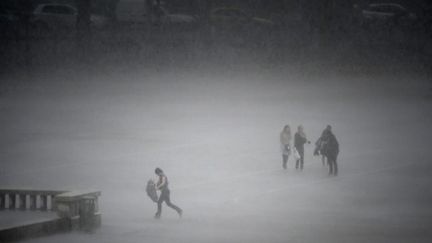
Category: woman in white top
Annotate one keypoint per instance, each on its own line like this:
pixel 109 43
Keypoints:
pixel 285 143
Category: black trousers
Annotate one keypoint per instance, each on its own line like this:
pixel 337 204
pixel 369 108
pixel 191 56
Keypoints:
pixel 165 197
pixel 300 162
pixel 284 160
pixel 332 163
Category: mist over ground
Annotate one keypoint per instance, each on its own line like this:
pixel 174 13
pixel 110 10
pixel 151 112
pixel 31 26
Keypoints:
pixel 209 112
pixel 214 130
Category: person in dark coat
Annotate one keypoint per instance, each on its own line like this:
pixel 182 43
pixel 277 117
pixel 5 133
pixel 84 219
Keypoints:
pixel 299 142
pixel 162 185
pixel 319 144
pixel 330 149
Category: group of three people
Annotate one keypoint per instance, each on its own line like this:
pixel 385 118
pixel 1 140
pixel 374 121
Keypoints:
pixel 327 146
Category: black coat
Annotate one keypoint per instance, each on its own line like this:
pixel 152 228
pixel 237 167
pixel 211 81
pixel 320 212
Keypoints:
pixel 329 145
pixel 299 141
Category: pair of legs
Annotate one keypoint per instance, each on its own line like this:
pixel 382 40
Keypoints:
pixel 165 197
pixel 300 162
pixel 284 160
pixel 333 167
pixel 323 159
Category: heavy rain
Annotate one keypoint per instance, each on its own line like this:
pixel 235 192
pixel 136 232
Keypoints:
pixel 98 95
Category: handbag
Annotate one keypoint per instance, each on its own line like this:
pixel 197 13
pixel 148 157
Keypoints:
pixel 296 154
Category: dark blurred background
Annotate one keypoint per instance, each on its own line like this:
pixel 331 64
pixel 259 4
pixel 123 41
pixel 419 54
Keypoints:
pixel 97 93
pixel 343 34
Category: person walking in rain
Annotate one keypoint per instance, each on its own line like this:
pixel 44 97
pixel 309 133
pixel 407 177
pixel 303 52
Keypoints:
pixel 319 144
pixel 162 185
pixel 299 142
pixel 285 143
pixel 330 149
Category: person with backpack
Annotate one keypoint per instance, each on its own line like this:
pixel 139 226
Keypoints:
pixel 330 149
pixel 285 144
pixel 299 142
pixel 319 144
pixel 162 186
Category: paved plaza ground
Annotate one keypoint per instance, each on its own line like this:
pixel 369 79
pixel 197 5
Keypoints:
pixel 215 133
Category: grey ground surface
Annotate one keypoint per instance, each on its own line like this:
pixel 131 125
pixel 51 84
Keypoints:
pixel 215 133
pixel 12 218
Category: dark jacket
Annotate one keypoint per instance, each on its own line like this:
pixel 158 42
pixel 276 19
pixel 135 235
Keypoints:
pixel 299 141
pixel 329 145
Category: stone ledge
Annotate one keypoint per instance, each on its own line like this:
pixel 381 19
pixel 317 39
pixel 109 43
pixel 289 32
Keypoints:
pixel 75 210
pixel 76 195
pixel 29 191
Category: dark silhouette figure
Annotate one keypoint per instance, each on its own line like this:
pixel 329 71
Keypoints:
pixel 318 146
pixel 330 149
pixel 299 142
pixel 162 185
